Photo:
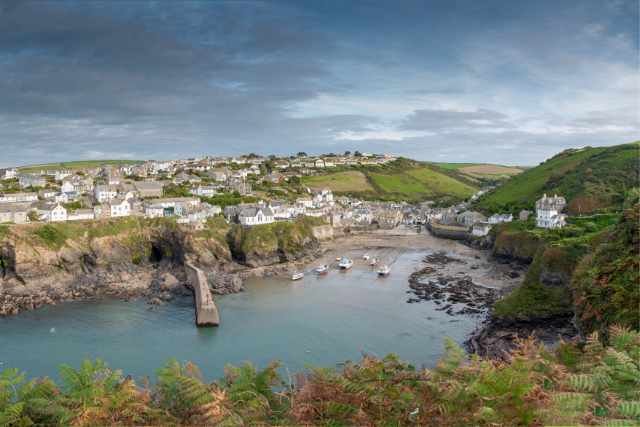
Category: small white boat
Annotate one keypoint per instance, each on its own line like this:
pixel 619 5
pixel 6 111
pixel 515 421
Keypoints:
pixel 338 258
pixel 373 261
pixel 384 270
pixel 345 263
pixel 365 257
pixel 323 269
pixel 297 275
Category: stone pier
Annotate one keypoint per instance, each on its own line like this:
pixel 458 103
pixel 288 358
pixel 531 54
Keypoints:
pixel 206 310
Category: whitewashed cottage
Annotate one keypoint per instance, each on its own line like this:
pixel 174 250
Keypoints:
pixel 548 212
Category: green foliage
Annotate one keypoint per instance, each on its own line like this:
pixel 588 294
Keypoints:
pixel 72 205
pixel 605 283
pixel 599 386
pixel 4 231
pixel 591 179
pixel 53 235
pixel 228 199
pixel 400 180
pixel 173 190
pixel 278 238
pixel 77 165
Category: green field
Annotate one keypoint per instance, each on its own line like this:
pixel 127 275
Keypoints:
pixel 80 164
pixel 400 180
pixel 340 182
pixel 591 179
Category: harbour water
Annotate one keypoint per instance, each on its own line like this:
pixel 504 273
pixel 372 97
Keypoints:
pixel 319 320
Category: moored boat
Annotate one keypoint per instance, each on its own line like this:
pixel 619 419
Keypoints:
pixel 297 275
pixel 345 263
pixel 323 269
pixel 365 257
pixel 384 270
pixel 373 261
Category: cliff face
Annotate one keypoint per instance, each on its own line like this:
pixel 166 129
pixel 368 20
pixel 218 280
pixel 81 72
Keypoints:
pixel 273 243
pixel 44 264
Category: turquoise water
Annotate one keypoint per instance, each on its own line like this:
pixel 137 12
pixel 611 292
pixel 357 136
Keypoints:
pixel 319 321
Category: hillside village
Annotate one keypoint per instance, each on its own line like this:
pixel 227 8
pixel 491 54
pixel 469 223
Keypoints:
pixel 193 190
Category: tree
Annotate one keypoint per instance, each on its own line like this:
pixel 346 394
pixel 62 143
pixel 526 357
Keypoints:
pixel 347 153
pixel 302 154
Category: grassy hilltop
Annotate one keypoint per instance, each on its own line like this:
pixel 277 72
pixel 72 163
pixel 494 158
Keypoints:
pixel 79 164
pixel 591 179
pixel 402 179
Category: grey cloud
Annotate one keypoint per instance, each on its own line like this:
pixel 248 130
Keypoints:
pixel 439 120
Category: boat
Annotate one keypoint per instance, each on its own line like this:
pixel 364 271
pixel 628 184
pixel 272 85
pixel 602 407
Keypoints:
pixel 322 269
pixel 384 270
pixel 373 261
pixel 297 275
pixel 338 258
pixel 345 263
pixel 365 257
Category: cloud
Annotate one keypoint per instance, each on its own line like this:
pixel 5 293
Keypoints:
pixel 162 79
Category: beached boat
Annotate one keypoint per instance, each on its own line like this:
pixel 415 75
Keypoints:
pixel 323 269
pixel 373 261
pixel 345 263
pixel 384 270
pixel 365 257
pixel 297 275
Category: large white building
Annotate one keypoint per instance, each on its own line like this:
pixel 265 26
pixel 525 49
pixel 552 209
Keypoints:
pixel 548 212
pixel 256 216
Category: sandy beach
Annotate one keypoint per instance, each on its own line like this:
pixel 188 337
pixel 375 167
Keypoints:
pixel 387 245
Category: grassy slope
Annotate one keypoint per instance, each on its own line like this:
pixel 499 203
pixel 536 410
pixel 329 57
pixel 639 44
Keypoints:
pixel 590 179
pixel 606 281
pixel 603 286
pixel 76 165
pixel 400 180
pixel 346 181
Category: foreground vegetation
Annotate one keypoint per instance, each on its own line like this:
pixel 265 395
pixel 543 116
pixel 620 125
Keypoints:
pixel 591 383
pixel 591 179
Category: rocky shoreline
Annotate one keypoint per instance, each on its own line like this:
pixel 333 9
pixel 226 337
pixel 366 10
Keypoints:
pixel 495 338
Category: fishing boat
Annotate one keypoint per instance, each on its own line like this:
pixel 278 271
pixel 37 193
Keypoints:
pixel 373 261
pixel 322 269
pixel 345 263
pixel 384 270
pixel 297 275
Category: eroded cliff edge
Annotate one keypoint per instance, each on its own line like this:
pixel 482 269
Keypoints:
pixel 134 257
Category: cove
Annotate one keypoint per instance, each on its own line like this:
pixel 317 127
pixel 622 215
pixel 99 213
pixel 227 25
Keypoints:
pixel 317 321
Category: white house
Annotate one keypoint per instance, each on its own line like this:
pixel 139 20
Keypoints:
pixel 8 173
pixel 15 213
pixel 548 212
pixel 18 197
pixel 498 218
pixel 31 180
pixel 323 198
pixel 256 216
pixel 204 191
pixel 119 208
pixel 104 193
pixel 67 186
pixel 480 229
pixel 52 212
pixel 171 206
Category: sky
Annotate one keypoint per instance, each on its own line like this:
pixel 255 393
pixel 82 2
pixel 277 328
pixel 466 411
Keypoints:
pixel 510 82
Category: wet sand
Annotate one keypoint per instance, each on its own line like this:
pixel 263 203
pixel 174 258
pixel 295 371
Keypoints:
pixel 387 245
